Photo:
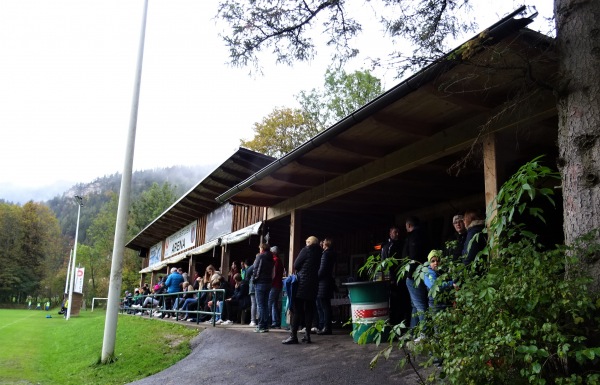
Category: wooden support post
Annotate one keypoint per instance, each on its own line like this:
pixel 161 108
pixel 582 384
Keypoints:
pixel 225 260
pixel 490 174
pixel 190 270
pixel 296 242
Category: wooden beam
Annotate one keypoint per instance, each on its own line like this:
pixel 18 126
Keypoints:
pixel 295 234
pixel 318 164
pixel 221 181
pixel 225 260
pixel 296 180
pixel 490 173
pixel 468 100
pixel 444 143
pixel 405 126
pixel 241 175
pixel 355 148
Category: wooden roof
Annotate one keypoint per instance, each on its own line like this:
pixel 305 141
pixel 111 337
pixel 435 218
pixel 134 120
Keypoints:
pixel 395 155
pixel 200 200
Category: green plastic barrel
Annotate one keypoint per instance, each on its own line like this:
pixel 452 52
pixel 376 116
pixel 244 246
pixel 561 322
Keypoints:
pixel 369 303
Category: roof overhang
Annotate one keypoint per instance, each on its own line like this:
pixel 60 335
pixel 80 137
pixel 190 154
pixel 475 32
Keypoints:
pixel 200 200
pixel 423 126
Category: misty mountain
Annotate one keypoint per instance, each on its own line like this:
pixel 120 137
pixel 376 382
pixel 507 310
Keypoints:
pixel 97 193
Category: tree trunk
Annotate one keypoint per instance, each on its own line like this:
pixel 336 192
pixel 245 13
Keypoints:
pixel 578 40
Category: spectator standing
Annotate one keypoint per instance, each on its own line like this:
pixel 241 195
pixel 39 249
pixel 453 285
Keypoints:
pixel 456 243
pixel 173 284
pixel 232 272
pixel 326 287
pixel 276 287
pixel 306 266
pixel 475 241
pixel 400 308
pixel 435 304
pixel 415 249
pixel 243 270
pixel 184 274
pixel 263 277
pixel 249 275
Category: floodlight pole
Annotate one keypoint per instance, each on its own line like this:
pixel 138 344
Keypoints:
pixel 116 269
pixel 68 273
pixel 72 274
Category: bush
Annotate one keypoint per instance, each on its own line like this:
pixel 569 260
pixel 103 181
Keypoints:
pixel 527 316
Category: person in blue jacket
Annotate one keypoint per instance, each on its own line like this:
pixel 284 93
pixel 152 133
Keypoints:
pixel 430 277
pixel 173 285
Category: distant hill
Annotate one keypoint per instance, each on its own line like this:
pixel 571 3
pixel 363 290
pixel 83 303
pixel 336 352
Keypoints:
pixel 97 193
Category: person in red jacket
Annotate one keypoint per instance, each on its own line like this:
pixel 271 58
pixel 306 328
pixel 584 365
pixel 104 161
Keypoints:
pixel 276 287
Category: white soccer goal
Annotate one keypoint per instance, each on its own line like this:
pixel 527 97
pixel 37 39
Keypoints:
pixel 98 299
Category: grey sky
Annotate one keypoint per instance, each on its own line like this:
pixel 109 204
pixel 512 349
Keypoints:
pixel 66 84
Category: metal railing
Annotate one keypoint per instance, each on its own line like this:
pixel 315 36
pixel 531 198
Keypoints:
pixel 217 295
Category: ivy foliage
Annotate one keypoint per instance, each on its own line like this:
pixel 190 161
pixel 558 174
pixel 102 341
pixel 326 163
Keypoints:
pixel 523 314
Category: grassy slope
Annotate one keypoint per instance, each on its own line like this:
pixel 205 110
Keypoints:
pixel 48 351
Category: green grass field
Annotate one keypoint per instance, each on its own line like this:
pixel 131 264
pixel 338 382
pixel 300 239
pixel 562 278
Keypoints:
pixel 40 350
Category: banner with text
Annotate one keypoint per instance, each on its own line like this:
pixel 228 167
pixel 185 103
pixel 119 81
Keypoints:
pixel 182 240
pixel 155 254
pixel 78 283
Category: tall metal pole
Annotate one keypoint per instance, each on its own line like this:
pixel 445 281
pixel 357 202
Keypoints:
pixel 68 272
pixel 79 204
pixel 116 269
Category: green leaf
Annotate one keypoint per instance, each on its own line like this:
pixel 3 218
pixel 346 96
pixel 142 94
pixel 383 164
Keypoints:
pixel 589 353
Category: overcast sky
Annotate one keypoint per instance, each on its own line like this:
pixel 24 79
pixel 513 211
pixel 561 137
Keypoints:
pixel 66 84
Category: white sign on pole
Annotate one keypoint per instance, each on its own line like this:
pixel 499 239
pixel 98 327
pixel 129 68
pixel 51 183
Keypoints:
pixel 79 272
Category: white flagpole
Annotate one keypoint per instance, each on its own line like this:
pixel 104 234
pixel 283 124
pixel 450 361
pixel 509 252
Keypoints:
pixel 116 269
pixel 68 273
pixel 79 204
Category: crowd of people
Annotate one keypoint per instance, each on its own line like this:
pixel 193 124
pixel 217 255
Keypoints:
pixel 411 298
pixel 251 292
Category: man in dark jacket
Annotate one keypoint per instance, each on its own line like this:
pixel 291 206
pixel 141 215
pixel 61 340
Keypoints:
pixel 306 266
pixel 475 240
pixel 399 303
pixel 456 243
pixel 262 278
pixel 326 287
